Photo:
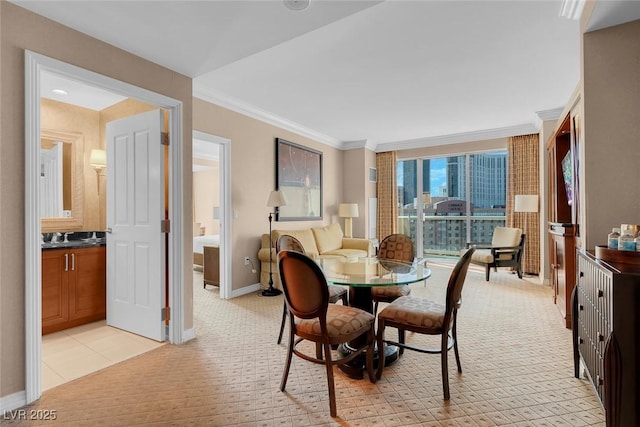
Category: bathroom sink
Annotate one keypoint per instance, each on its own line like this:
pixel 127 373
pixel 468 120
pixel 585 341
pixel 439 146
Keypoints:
pixel 74 243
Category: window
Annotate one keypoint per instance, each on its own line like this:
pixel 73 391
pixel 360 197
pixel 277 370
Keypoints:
pixel 445 202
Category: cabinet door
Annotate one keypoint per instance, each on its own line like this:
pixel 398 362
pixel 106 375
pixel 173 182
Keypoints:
pixel 55 289
pixel 87 290
pixel 561 284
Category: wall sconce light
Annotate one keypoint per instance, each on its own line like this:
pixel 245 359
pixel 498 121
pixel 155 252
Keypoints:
pixel 348 211
pixel 98 161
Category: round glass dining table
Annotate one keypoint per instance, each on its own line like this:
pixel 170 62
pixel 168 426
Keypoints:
pixel 361 275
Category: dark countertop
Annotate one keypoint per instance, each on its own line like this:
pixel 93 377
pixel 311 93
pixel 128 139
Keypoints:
pixel 83 243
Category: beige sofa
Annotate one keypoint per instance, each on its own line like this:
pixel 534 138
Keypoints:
pixel 318 242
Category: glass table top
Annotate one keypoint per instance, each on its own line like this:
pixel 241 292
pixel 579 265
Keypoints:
pixel 367 272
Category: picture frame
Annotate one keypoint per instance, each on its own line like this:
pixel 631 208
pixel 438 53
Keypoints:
pixel 299 178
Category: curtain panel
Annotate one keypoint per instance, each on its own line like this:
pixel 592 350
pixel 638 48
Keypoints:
pixel 387 194
pixel 523 177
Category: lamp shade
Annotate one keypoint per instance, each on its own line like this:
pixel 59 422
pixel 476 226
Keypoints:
pixel 276 198
pixel 348 210
pixel 526 203
pixel 98 158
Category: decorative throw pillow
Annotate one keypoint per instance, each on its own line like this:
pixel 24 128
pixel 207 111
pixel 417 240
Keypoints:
pixel 328 238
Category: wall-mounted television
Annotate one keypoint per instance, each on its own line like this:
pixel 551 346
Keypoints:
pixel 567 176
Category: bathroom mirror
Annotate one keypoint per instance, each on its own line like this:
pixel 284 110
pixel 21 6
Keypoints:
pixel 61 180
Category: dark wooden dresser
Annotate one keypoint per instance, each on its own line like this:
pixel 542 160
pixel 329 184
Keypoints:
pixel 211 266
pixel 606 333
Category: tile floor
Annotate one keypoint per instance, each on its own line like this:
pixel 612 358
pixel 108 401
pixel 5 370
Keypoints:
pixel 516 357
pixel 76 352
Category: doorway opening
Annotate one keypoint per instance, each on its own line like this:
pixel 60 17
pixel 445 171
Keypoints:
pixel 35 65
pixel 211 211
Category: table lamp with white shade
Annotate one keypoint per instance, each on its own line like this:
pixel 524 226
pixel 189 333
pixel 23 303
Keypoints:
pixel 348 211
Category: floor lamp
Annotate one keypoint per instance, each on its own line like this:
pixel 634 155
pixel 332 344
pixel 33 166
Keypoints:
pixel 526 203
pixel 276 199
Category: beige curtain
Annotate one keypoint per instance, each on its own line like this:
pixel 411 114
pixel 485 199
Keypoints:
pixel 387 194
pixel 524 178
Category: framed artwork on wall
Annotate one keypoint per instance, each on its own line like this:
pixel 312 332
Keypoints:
pixel 299 178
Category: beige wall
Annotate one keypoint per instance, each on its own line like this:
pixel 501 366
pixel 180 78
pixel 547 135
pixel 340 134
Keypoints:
pixel 206 195
pixel 20 30
pixel 357 188
pixel 59 116
pixel 91 124
pixel 253 178
pixel 611 102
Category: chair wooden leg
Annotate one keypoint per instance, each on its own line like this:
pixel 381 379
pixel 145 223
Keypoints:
pixel 454 333
pixel 445 367
pixel 401 340
pixel 371 340
pixel 380 348
pixel 345 298
pixel 486 272
pixel 287 363
pixel 375 308
pixel 330 383
pixel 284 319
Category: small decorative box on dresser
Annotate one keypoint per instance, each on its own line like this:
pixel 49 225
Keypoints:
pixel 606 334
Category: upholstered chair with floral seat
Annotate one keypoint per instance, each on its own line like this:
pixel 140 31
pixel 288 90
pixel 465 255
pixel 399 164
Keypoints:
pixel 336 293
pixel 423 316
pixel 312 318
pixel 396 247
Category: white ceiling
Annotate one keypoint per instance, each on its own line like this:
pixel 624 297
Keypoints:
pixel 393 74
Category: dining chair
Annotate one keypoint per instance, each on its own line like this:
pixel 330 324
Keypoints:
pixel 312 318
pixel 395 247
pixel 336 293
pixel 423 316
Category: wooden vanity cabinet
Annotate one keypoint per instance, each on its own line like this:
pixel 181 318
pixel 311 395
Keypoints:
pixel 73 287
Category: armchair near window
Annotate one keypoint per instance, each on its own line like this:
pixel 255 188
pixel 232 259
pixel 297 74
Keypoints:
pixel 505 250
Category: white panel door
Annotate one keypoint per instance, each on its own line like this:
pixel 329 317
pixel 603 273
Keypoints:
pixel 135 209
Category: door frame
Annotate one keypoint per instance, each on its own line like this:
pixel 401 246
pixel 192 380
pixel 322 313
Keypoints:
pixel 34 64
pixel 225 212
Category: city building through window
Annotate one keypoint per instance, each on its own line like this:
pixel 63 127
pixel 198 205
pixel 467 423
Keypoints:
pixel 445 202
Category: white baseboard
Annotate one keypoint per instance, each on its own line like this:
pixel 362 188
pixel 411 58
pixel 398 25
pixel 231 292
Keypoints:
pixel 188 335
pixel 245 290
pixel 12 402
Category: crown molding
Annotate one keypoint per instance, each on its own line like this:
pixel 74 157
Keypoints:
pixel 481 135
pixel 264 116
pixel 553 114
pixel 546 115
pixel 363 143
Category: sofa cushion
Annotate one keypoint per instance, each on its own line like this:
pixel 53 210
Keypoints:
pixel 328 238
pixel 346 253
pixel 305 237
